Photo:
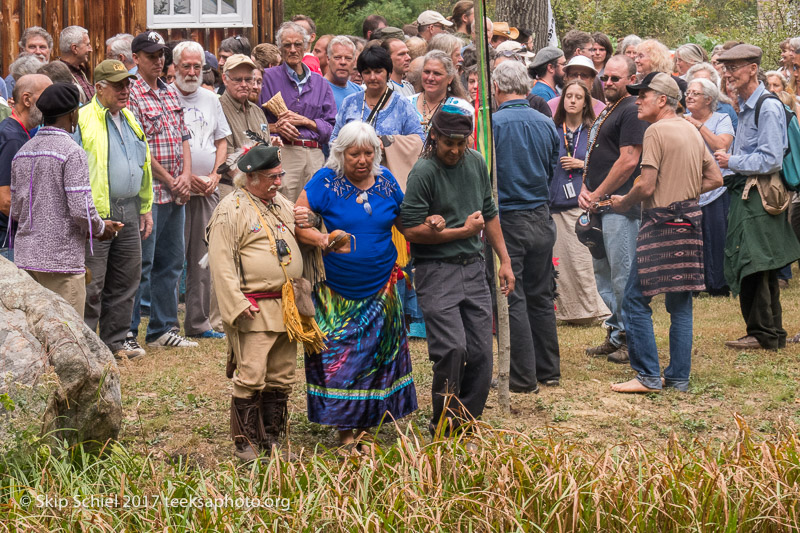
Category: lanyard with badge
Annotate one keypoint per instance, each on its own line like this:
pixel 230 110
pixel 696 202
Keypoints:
pixel 571 140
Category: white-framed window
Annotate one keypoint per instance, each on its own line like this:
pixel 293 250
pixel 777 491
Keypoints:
pixel 199 14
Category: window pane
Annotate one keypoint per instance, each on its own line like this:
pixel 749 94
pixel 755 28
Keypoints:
pixel 209 7
pixel 228 7
pixel 161 7
pixel 181 7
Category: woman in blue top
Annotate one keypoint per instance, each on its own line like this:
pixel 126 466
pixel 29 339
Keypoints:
pixel 364 373
pixel 396 122
pixel 394 114
pixel 578 300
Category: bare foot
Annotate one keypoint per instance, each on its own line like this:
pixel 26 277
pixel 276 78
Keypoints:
pixel 632 386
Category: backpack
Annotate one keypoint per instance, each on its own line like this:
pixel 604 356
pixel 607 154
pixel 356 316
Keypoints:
pixel 790 172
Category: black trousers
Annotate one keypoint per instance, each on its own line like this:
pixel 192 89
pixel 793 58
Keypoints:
pixel 530 236
pixel 458 317
pixel 760 302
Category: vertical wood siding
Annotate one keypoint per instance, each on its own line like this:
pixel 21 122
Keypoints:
pixel 106 18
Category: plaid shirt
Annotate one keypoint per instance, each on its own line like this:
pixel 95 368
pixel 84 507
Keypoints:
pixel 161 116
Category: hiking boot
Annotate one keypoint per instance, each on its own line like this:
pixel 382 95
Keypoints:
pixel 620 355
pixel 172 339
pixel 247 429
pixel 130 348
pixel 606 348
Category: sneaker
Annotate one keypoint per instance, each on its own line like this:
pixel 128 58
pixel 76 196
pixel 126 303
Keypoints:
pixel 210 334
pixel 417 330
pixel 171 339
pixel 130 348
pixel 620 356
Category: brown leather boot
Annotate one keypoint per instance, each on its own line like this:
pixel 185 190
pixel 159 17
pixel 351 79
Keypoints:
pixel 247 428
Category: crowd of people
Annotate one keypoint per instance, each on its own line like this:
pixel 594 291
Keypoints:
pixel 327 190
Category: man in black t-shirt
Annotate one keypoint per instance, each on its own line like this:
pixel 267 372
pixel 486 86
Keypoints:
pixel 612 163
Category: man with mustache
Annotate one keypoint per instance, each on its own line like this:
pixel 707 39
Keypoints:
pixel 34 40
pixel 14 132
pixel 250 235
pixel 122 191
pixel 203 115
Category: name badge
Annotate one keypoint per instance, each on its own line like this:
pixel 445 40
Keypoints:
pixel 569 191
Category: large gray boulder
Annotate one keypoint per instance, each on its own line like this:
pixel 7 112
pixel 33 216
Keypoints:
pixel 55 370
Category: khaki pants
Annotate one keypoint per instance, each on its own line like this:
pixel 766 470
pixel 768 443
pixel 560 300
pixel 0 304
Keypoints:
pixel 267 360
pixel 300 164
pixel 71 287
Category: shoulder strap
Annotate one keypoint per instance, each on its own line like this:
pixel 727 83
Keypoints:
pixel 381 103
pixel 268 231
pixel 760 101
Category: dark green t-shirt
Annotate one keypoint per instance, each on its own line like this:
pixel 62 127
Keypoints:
pixel 452 192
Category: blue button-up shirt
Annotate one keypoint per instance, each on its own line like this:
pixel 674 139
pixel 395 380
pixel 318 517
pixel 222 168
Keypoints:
pixel 759 150
pixel 294 76
pixel 526 147
pixel 126 155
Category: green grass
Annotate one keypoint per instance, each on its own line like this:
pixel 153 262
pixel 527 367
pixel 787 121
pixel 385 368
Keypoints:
pixel 573 458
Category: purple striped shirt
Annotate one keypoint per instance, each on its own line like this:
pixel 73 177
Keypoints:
pixel 51 200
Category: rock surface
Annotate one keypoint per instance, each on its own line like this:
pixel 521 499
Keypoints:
pixel 53 364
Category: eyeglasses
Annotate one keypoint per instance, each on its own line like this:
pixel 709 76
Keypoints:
pixel 694 94
pixel 248 81
pixel 276 175
pixel 614 79
pixel 581 75
pixel 363 199
pixel 509 53
pixel 734 68
pixel 120 86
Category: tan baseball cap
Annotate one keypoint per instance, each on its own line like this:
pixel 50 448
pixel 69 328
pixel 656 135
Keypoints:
pixel 237 60
pixel 432 17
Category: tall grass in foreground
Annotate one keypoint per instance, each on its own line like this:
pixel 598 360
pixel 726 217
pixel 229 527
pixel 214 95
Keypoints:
pixel 511 483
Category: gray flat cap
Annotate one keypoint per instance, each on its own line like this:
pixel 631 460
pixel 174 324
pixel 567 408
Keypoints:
pixel 546 55
pixel 746 52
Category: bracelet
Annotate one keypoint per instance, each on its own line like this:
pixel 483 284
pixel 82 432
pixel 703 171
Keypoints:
pixel 699 126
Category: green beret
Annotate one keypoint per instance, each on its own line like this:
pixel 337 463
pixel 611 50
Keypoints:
pixel 260 157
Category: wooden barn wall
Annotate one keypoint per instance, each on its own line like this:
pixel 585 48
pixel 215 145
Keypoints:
pixel 106 18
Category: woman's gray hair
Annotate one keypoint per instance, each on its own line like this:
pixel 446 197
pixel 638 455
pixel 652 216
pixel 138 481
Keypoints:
pixel 691 53
pixel 341 40
pixel 293 27
pixel 446 42
pixel 794 44
pixel 511 77
pixel 354 133
pixel 627 42
pixel 69 36
pixel 188 46
pixel 709 90
pixel 779 75
pixel 25 64
pixel 707 67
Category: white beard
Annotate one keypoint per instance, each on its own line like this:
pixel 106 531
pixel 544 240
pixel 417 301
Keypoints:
pixel 186 85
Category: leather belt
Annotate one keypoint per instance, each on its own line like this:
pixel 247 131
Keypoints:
pixel 461 259
pixel 305 143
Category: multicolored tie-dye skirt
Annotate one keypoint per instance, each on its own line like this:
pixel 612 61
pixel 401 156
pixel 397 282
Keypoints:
pixel 365 372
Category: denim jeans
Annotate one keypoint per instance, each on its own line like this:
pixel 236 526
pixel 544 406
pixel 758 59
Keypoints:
pixel 163 255
pixel 611 272
pixel 8 253
pixel 642 349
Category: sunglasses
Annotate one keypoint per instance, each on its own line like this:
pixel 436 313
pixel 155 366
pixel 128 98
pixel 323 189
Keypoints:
pixel 363 199
pixel 614 79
